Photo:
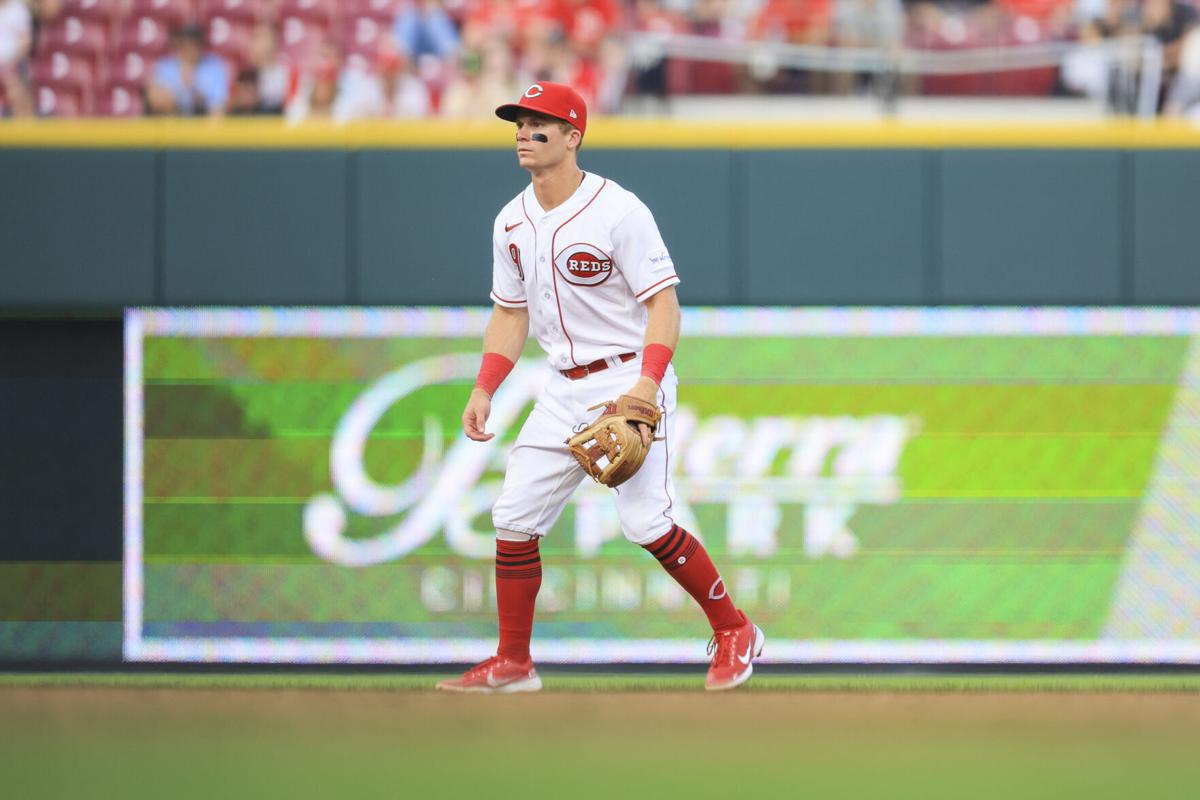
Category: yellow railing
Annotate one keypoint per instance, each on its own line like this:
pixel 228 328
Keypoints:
pixel 610 132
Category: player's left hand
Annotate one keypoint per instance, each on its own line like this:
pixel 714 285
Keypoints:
pixel 645 389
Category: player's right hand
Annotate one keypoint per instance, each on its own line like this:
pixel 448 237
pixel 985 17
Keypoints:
pixel 475 416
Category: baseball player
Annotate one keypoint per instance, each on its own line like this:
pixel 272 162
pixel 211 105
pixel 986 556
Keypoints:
pixel 579 261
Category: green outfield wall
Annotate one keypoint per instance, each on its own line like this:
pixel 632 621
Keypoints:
pixel 1004 485
pixel 793 216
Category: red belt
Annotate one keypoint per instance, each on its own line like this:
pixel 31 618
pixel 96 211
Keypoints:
pixel 575 373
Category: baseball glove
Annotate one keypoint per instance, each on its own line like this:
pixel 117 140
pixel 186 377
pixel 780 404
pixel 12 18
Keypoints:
pixel 610 449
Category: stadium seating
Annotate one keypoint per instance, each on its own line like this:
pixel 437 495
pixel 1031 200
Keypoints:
pixel 95 10
pixel 300 39
pixel 322 13
pixel 119 101
pixel 242 11
pixel 383 11
pixel 129 69
pixel 52 101
pixel 77 36
pixel 230 38
pixel 146 35
pixel 171 13
pixel 64 70
pixel 361 36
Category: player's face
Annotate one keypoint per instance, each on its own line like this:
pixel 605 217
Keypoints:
pixel 534 155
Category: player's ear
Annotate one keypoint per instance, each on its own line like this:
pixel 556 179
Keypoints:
pixel 574 139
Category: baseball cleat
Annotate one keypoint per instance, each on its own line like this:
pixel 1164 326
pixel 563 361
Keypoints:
pixel 497 675
pixel 733 653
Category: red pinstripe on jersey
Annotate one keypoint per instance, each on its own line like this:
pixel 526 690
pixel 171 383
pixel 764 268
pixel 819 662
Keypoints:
pixel 653 285
pixel 506 300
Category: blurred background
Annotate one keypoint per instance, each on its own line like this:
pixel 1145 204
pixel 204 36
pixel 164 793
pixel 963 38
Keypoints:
pixel 357 59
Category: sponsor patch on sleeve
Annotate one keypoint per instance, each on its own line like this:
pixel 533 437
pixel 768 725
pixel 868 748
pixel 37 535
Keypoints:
pixel 660 258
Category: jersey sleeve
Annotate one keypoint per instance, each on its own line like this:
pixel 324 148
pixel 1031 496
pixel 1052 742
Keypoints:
pixel 641 255
pixel 508 285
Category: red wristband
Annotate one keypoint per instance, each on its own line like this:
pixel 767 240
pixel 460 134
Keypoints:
pixel 655 359
pixel 492 372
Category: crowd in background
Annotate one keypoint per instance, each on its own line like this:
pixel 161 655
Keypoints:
pixel 353 59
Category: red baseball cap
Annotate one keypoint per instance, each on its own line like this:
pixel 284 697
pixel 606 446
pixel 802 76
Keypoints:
pixel 552 99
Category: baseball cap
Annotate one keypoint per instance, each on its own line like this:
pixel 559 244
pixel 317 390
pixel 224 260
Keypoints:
pixel 552 99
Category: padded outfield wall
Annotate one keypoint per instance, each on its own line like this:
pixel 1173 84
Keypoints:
pixel 1006 485
pixel 104 215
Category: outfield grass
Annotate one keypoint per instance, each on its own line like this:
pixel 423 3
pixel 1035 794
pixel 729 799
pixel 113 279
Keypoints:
pixel 602 737
pixel 577 682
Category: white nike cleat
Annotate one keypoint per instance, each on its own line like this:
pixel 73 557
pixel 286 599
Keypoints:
pixel 733 653
pixel 497 675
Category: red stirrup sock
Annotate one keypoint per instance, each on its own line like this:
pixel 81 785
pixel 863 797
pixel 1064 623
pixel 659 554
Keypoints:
pixel 518 578
pixel 682 555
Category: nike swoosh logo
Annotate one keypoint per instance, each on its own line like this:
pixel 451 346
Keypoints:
pixel 744 659
pixel 508 228
pixel 491 679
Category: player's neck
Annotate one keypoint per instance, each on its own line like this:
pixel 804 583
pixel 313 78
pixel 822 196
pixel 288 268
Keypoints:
pixel 554 186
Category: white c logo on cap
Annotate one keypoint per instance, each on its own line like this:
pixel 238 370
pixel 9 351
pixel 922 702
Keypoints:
pixel 534 91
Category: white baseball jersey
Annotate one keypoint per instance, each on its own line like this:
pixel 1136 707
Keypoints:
pixel 582 269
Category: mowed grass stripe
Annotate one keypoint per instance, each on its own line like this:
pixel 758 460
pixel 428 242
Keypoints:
pixel 582 683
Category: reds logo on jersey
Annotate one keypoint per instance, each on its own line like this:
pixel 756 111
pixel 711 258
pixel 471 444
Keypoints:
pixel 584 265
pixel 514 252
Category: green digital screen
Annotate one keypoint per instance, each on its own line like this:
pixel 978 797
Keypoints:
pixel 874 484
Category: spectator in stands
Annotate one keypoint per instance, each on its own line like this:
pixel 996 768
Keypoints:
pixel 803 22
pixel 1184 98
pixel 553 59
pixel 424 28
pixel 269 66
pixel 244 97
pixel 189 81
pixel 710 18
pixel 1038 18
pixel 868 23
pixel 1168 21
pixel 589 23
pixel 864 23
pixel 1088 71
pixel 483 79
pixel 794 21
pixel 390 89
pixel 317 88
pixel 649 69
pixel 16 35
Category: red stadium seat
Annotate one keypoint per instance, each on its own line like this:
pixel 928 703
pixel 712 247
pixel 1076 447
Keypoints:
pixel 55 101
pixel 145 35
pixel 380 10
pixel 248 11
pixel 300 39
pixel 64 70
pixel 321 12
pixel 172 13
pixel 230 38
pixel 361 36
pixel 129 68
pixel 75 35
pixel 98 10
pixel 119 101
